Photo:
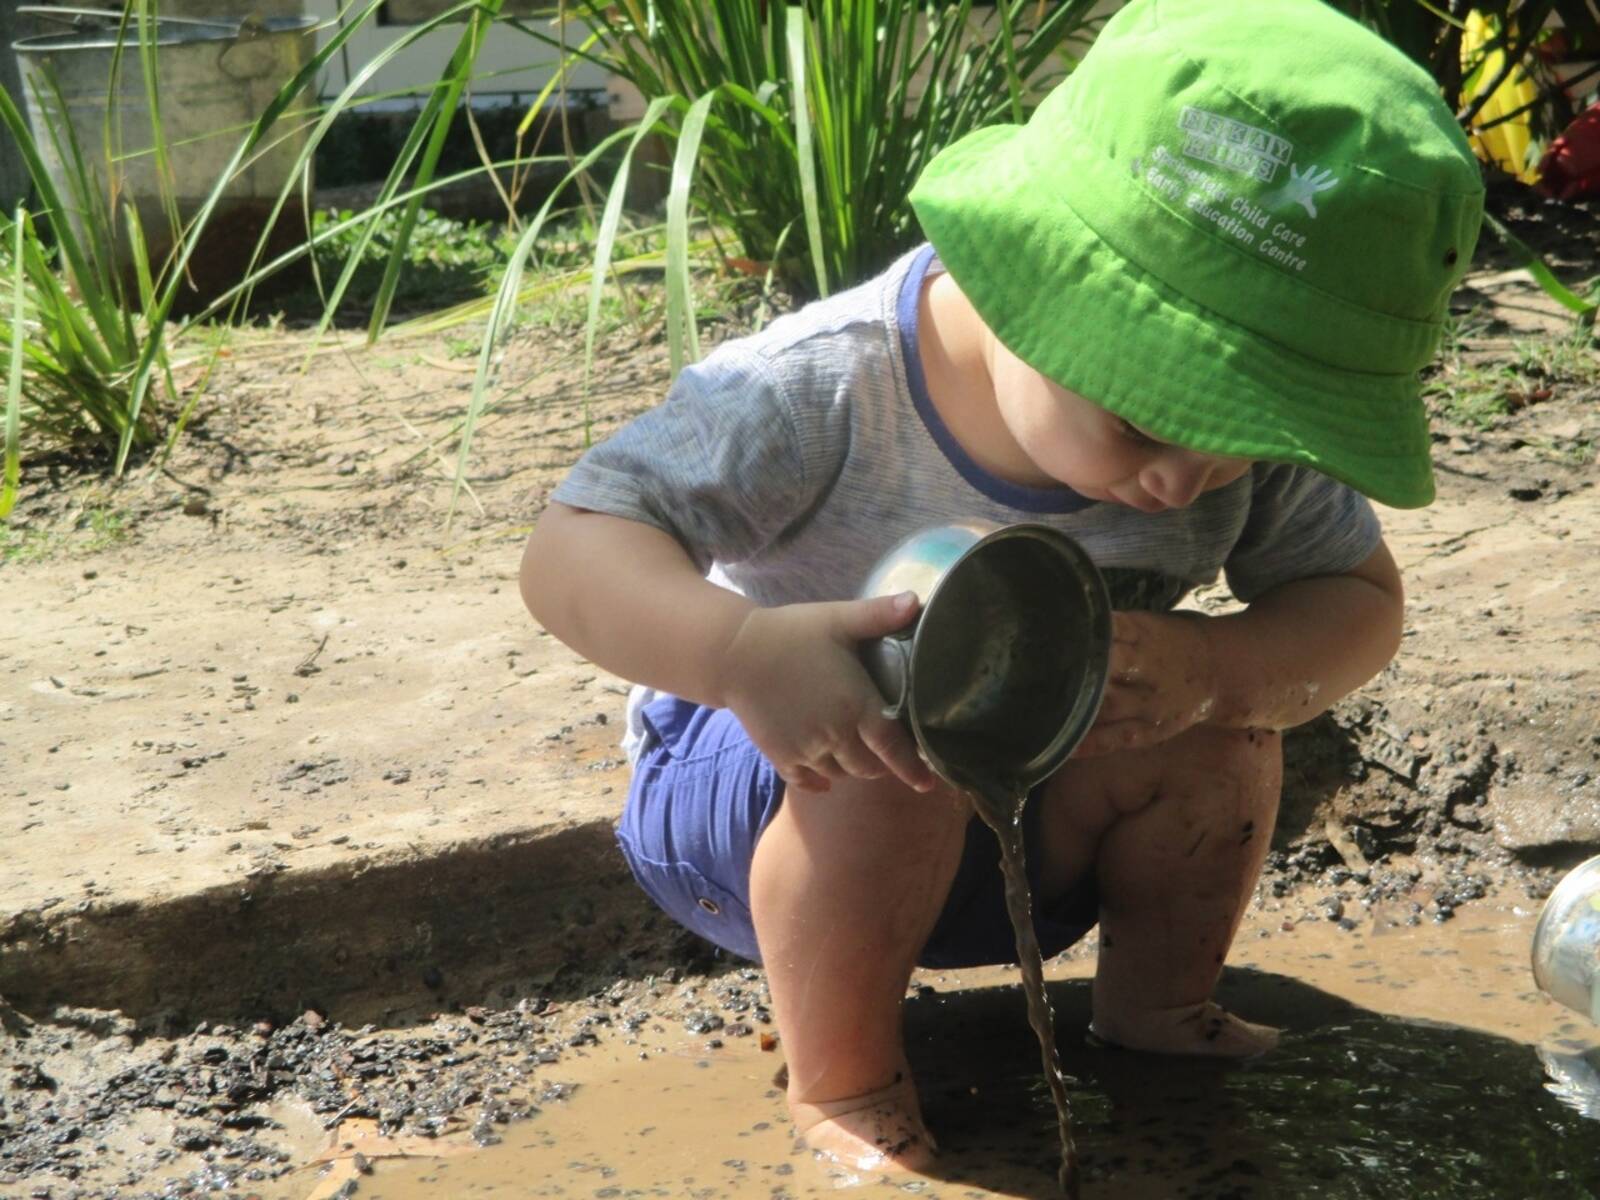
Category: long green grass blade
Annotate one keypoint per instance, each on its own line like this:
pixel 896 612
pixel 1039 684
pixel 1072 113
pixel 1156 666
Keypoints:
pixel 683 342
pixel 347 99
pixel 505 307
pixel 1008 39
pixel 806 159
pixel 13 469
pixel 332 231
pixel 1530 262
pixel 557 79
pixel 403 159
pixel 167 178
pixel 457 75
pixel 606 236
pixel 79 263
pixel 548 283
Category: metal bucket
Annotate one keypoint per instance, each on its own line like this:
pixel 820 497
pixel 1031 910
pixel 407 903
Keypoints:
pixel 1566 941
pixel 215 78
pixel 1002 673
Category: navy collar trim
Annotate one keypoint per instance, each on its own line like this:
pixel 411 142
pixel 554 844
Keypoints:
pixel 1014 495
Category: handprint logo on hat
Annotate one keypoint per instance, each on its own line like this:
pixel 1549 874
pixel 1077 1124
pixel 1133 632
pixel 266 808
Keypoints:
pixel 1302 189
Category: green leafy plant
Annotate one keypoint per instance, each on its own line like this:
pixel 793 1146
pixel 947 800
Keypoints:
pixel 83 357
pixel 444 260
pixel 71 354
pixel 818 189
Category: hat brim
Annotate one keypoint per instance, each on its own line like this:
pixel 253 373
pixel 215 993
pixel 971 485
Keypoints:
pixel 1081 314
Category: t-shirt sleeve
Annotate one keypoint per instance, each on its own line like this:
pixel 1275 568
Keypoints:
pixel 1301 523
pixel 719 464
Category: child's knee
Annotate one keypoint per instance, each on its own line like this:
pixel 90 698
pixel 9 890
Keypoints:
pixel 1217 773
pixel 1252 759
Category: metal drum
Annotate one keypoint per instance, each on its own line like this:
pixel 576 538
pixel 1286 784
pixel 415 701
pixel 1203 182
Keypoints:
pixel 1566 941
pixel 216 77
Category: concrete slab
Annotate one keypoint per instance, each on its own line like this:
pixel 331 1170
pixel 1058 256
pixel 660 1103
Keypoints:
pixel 272 732
pixel 203 739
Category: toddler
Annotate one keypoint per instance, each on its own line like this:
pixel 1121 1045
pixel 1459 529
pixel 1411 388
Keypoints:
pixel 1179 315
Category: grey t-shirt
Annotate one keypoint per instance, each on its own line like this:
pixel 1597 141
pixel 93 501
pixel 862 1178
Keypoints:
pixel 788 462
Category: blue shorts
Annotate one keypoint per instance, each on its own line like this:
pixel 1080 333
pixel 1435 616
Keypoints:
pixel 701 795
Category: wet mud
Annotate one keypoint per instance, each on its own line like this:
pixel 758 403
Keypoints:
pixel 1411 1066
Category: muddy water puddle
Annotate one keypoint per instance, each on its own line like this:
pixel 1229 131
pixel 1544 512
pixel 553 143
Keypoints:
pixel 1410 1068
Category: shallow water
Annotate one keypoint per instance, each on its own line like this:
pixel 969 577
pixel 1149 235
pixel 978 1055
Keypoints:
pixel 1410 1069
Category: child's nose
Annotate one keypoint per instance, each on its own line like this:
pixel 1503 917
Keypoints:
pixel 1177 478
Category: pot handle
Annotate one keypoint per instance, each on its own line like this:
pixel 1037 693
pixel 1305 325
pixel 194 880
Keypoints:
pixel 888 661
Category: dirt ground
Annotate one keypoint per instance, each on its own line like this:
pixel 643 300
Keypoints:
pixel 268 678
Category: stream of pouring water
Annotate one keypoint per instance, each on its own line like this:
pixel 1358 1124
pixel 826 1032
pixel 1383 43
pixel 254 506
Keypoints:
pixel 1001 811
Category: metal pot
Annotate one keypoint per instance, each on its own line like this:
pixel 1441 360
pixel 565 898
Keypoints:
pixel 1002 672
pixel 1566 941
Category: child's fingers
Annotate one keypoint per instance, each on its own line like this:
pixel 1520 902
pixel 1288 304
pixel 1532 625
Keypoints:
pixel 894 748
pixel 853 756
pixel 876 616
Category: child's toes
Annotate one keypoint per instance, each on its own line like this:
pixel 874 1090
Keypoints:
pixel 870 1135
pixel 1205 1029
pixel 1228 1036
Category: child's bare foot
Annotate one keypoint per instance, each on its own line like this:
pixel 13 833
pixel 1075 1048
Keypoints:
pixel 1205 1029
pixel 879 1132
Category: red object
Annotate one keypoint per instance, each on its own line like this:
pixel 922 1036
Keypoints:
pixel 1570 168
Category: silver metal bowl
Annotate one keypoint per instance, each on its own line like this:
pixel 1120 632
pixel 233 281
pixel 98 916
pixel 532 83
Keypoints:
pixel 1566 941
pixel 1002 673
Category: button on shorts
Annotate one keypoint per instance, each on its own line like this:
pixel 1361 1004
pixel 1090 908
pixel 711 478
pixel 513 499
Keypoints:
pixel 701 796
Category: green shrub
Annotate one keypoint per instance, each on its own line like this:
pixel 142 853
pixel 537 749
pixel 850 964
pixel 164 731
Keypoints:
pixel 444 260
pixel 819 190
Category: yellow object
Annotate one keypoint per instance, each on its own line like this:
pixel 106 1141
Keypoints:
pixel 1506 144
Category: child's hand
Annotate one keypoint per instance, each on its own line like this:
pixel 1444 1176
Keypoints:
pixel 1162 681
pixel 796 681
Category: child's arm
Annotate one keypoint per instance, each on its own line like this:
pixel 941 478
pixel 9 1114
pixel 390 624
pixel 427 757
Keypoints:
pixel 627 596
pixel 1292 654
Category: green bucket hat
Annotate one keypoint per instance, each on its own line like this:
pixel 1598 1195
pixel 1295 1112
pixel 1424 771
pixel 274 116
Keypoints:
pixel 1235 225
